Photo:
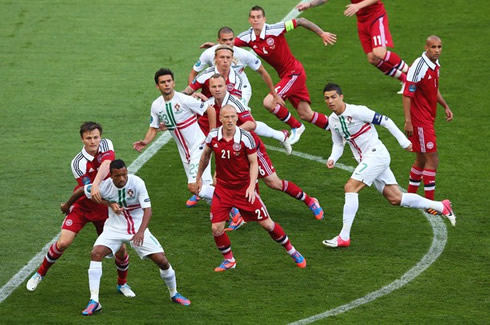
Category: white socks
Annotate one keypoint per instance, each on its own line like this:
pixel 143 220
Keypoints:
pixel 350 209
pixel 206 192
pixel 169 277
pixel 412 200
pixel 263 129
pixel 94 275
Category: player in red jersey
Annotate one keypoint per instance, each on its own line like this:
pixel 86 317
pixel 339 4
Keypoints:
pixel 90 166
pixel 269 42
pixel 420 97
pixel 221 98
pixel 374 34
pixel 236 173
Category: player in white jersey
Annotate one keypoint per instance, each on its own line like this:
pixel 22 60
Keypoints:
pixel 355 125
pixel 241 59
pixel 129 216
pixel 178 113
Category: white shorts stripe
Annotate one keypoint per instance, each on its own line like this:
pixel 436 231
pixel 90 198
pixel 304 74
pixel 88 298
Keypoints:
pixel 420 132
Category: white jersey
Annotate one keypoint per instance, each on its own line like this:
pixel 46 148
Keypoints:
pixel 180 116
pixel 356 126
pixel 132 198
pixel 241 59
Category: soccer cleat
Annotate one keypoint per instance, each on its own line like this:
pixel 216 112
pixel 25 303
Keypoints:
pixel 192 201
pixel 225 265
pixel 299 259
pixel 92 307
pixel 317 209
pixel 234 225
pixel 296 134
pixel 448 212
pixel 180 299
pixel 126 291
pixel 337 241
pixel 34 281
pixel 402 89
pixel 235 214
pixel 285 143
pixel 431 211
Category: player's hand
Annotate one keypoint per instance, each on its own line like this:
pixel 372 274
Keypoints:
pixel 250 194
pixel 328 38
pixel 330 164
pixel 138 238
pixel 198 185
pixel 351 10
pixel 449 114
pixel 115 208
pixel 409 148
pixel 278 100
pixel 408 129
pixel 65 208
pixel 200 96
pixel 139 145
pixel 303 6
pixel 206 45
pixel 95 193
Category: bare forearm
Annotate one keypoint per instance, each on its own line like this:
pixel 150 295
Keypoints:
pixel 315 3
pixel 188 90
pixel 406 108
pixel 146 219
pixel 102 172
pixel 303 22
pixel 150 135
pixel 441 100
pixel 204 161
pixel 267 79
pixel 192 76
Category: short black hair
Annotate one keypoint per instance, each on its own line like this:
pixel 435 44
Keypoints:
pixel 162 72
pixel 90 126
pixel 225 30
pixel 117 164
pixel 217 76
pixel 257 8
pixel 332 86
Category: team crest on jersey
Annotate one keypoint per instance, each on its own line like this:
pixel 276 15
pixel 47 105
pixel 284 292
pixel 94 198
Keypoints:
pixel 177 108
pixel 412 88
pixel 237 146
pixel 270 41
pixel 130 193
pixel 86 180
pixel 230 87
pixel 349 119
pixel 430 145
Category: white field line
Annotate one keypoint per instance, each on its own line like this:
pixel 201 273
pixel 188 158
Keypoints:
pixel 435 250
pixel 34 263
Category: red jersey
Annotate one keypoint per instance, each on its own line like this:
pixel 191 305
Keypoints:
pixel 271 45
pixel 231 157
pixel 234 82
pixel 371 12
pixel 421 86
pixel 85 166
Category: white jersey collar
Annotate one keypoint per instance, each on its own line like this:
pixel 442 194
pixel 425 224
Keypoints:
pixel 88 156
pixel 431 64
pixel 262 33
pixel 236 137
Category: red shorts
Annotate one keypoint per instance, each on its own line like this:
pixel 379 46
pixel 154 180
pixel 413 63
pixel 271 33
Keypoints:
pixel 374 34
pixel 224 199
pixel 265 164
pixel 423 139
pixel 78 217
pixel 293 88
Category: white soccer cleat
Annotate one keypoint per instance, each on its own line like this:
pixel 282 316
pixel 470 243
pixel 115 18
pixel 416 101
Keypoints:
pixel 34 281
pixel 285 143
pixel 448 212
pixel 337 241
pixel 296 134
pixel 400 92
pixel 126 291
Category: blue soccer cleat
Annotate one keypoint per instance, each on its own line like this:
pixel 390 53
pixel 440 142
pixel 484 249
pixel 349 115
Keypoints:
pixel 225 265
pixel 316 209
pixel 299 259
pixel 92 307
pixel 192 201
pixel 180 299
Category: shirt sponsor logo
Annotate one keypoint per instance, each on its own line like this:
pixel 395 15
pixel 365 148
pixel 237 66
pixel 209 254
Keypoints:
pixel 215 145
pixel 86 180
pixel 237 146
pixel 412 88
pixel 198 63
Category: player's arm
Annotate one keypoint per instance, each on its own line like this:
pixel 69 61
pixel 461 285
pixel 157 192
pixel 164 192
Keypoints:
pixel 254 170
pixel 203 163
pixel 101 175
pixel 353 8
pixel 192 75
pixel 408 117
pixel 150 135
pixel 268 81
pixel 447 110
pixel 140 234
pixel 328 38
pixel 337 149
pixel 211 112
pixel 302 6
pixel 78 193
pixel 387 123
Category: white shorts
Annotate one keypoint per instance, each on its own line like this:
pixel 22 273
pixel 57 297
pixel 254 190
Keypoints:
pixel 192 167
pixel 375 169
pixel 114 239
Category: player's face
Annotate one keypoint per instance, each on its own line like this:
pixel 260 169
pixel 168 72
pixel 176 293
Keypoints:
pixel 334 101
pixel 166 84
pixel 223 59
pixel 226 38
pixel 119 176
pixel 228 117
pixel 91 141
pixel 433 49
pixel 256 19
pixel 217 87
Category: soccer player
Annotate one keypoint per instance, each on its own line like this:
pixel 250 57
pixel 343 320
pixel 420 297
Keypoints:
pixel 356 125
pixel 420 97
pixel 236 172
pixel 179 112
pixel 269 42
pixel 222 98
pixel 374 34
pixel 90 166
pixel 129 216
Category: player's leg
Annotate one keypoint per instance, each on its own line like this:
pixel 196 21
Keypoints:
pixel 220 209
pixel 264 130
pixel 121 258
pixel 207 188
pixel 425 146
pixel 429 174
pixel 280 111
pixel 94 276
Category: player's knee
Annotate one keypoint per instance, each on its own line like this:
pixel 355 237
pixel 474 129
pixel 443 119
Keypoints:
pixel 218 229
pixel 121 253
pixel 63 244
pixel 268 103
pixel 96 255
pixel 377 54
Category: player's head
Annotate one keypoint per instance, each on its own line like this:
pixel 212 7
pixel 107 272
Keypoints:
pixel 226 36
pixel 223 57
pixel 119 173
pixel 217 86
pixel 332 94
pixel 91 133
pixel 256 18
pixel 433 47
pixel 164 80
pixel 228 117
